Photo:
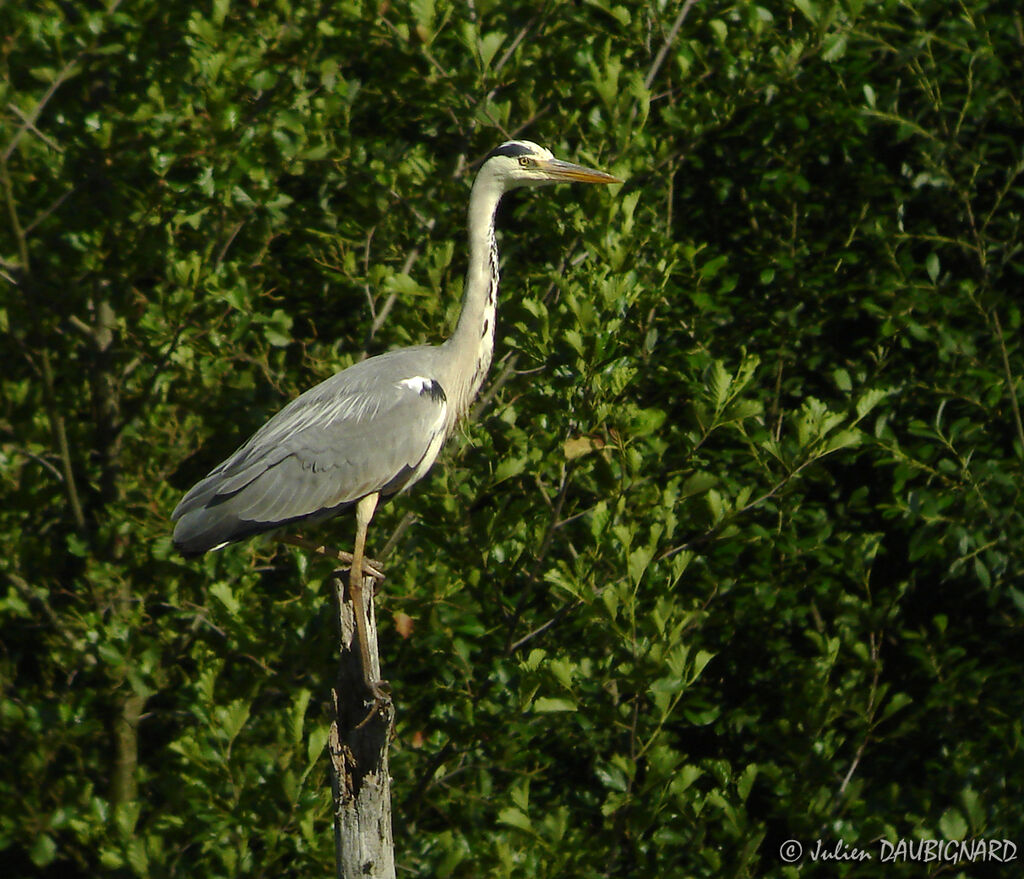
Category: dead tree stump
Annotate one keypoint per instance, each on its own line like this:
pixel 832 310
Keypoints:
pixel 358 743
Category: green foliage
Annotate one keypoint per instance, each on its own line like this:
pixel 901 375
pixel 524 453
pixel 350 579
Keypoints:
pixel 729 555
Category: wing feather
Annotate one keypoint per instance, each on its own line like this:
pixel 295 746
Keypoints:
pixel 363 431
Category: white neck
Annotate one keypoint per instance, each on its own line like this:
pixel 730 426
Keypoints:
pixel 472 344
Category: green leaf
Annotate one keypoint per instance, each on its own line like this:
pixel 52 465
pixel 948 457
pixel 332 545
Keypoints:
pixel 719 383
pixel 952 824
pixel 745 782
pixel 512 817
pixel 834 47
pixel 137 857
pixel 697 483
pixel 639 561
pixel 869 400
pixel 700 661
pixel 896 703
pixel 1017 597
pixel 713 266
pixel 508 468
pixel 316 744
pixel 552 704
pixel 234 717
pixel 810 10
pixel 43 851
pixel 223 592
pixel 404 285
pixel 489 45
pixel 277 328
pixel 974 808
pixel 844 439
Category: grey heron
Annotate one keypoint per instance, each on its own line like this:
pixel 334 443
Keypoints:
pixel 375 428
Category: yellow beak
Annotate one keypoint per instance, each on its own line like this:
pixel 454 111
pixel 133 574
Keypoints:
pixel 560 170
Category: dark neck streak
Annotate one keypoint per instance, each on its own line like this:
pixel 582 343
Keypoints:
pixel 468 352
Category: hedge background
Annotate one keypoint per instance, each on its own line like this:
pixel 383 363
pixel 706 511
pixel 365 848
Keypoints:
pixel 730 553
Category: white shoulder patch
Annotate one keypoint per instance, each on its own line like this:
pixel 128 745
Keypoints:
pixel 417 383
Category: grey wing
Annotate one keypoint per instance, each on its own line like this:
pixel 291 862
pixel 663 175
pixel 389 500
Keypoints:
pixel 343 440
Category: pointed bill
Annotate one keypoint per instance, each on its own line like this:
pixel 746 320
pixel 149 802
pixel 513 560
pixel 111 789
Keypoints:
pixel 559 170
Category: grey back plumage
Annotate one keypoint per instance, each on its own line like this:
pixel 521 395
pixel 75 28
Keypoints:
pixel 374 427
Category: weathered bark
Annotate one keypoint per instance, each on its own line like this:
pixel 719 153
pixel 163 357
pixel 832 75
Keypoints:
pixel 125 783
pixel 358 743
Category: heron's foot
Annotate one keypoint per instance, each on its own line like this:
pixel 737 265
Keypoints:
pixel 380 693
pixel 371 567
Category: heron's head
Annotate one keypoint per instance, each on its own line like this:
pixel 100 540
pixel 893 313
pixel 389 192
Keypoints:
pixel 523 163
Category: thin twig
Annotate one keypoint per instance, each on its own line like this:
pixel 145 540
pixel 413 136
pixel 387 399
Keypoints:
pixel 45 138
pixel 60 439
pixel 564 610
pixel 29 119
pixel 525 593
pixel 1010 389
pixel 410 260
pixel 732 517
pixel 371 567
pixel 510 51
pixel 12 215
pixel 235 229
pixel 46 212
pixel 669 40
pixel 871 711
pixel 408 520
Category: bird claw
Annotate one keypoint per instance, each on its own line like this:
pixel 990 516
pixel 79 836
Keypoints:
pixel 371 567
pixel 380 693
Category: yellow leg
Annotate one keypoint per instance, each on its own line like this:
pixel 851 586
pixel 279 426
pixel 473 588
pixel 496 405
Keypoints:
pixel 364 513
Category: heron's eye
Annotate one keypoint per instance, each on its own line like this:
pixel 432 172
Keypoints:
pixel 525 161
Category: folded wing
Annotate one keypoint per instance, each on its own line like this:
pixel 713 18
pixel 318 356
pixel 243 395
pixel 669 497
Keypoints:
pixel 361 432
